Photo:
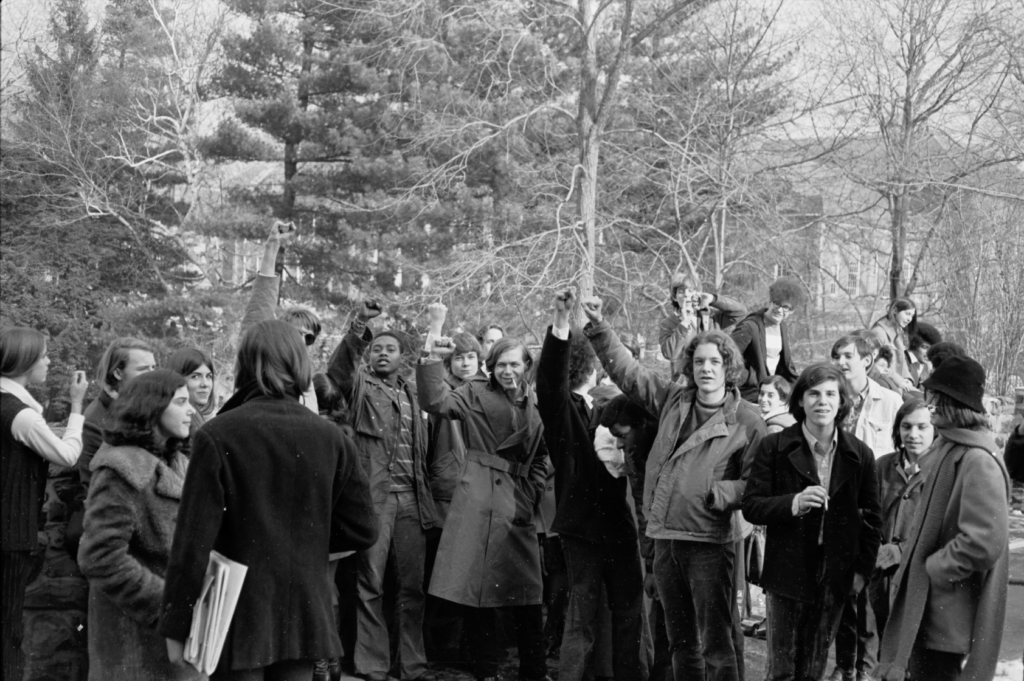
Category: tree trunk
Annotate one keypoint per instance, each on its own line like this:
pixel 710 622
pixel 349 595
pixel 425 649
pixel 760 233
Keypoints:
pixel 291 146
pixel 898 232
pixel 589 144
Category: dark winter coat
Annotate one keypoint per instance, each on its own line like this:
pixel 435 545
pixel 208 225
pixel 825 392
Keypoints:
pixel 367 400
pixel 690 488
pixel 276 488
pixel 488 555
pixel 793 558
pixel 446 454
pixel 129 525
pixel 592 504
pixel 749 336
pixel 97 420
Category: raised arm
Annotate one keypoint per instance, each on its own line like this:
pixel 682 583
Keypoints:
pixel 263 299
pixel 727 311
pixel 643 385
pixel 344 365
pixel 432 391
pixel 553 374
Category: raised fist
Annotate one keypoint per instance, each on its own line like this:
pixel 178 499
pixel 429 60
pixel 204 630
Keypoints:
pixel 441 346
pixel 437 312
pixel 592 308
pixel 564 299
pixel 281 231
pixel 369 309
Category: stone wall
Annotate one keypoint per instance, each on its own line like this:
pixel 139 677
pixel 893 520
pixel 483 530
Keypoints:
pixel 56 600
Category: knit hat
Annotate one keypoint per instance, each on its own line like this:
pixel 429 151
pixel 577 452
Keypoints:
pixel 961 378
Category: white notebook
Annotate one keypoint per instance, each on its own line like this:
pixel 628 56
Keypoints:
pixel 212 614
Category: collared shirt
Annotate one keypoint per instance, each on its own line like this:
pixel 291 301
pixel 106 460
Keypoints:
pixel 394 406
pixel 824 457
pixel 30 429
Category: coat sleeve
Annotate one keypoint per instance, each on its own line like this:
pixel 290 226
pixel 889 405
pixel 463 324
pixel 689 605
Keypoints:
pixel 92 439
pixel 870 516
pixel 728 311
pixel 112 519
pixel 638 465
pixel 762 503
pixel 344 364
pixel 262 302
pixel 200 516
pixel 354 523
pixel 553 396
pixel 643 385
pixel 435 395
pixel 672 336
pixel 982 525
pixel 727 495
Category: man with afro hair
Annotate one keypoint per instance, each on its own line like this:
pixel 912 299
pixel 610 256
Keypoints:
pixel 763 337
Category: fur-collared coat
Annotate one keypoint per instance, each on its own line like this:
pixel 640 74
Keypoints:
pixel 129 524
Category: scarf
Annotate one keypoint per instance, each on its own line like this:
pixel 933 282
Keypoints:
pixel 913 583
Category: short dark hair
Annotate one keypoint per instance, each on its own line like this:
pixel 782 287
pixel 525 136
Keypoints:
pixel 302 316
pixel 622 410
pixel 392 333
pixel 20 348
pixel 115 358
pixel 484 330
pixel 503 345
pixel 926 335
pixel 816 374
pixel 885 352
pixel 943 350
pixel 187 360
pixel 787 291
pixel 906 409
pixel 581 359
pixel 464 344
pixel 860 341
pixel 273 355
pixel 781 385
pixel 136 412
pixel 732 361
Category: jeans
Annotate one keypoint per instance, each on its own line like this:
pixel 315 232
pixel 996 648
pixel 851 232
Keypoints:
pixel 857 638
pixel 482 644
pixel 400 531
pixel 695 586
pixel 799 635
pixel 617 566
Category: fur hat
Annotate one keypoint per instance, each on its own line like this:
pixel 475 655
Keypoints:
pixel 961 378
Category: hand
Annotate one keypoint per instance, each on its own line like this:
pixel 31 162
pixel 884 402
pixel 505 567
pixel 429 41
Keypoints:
pixel 440 346
pixel 368 310
pixel 592 308
pixel 175 651
pixel 79 385
pixel 281 232
pixel 436 314
pixel 563 304
pixel 651 586
pixel 858 582
pixel 889 555
pixel 814 496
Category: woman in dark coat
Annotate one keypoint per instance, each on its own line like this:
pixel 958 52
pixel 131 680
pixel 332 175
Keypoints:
pixel 129 522
pixel 489 556
pixel 276 488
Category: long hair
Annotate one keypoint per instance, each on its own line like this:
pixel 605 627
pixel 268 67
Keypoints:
pixel 816 374
pixel 188 360
pixel 905 410
pixel 952 413
pixel 273 355
pixel 732 361
pixel 115 358
pixel 135 413
pixel 20 348
pixel 503 345
pixel 897 306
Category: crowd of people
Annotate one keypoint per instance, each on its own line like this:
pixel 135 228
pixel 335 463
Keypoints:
pixel 397 519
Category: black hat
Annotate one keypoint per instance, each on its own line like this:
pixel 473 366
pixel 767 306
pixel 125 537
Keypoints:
pixel 961 378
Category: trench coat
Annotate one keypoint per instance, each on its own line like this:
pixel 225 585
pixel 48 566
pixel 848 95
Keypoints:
pixel 488 556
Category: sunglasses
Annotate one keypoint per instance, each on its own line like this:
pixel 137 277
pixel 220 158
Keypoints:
pixel 310 338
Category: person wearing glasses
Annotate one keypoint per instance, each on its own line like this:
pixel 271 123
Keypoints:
pixel 763 338
pixel 262 304
pixel 690 311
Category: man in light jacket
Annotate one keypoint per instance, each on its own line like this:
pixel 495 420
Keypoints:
pixel 694 481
